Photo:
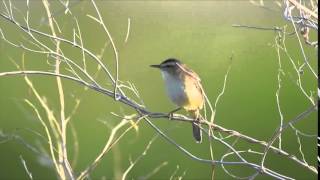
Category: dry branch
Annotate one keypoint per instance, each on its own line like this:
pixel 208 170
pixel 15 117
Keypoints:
pixel 79 74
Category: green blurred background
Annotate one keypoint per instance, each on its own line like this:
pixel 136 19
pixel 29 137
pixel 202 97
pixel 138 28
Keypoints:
pixel 198 33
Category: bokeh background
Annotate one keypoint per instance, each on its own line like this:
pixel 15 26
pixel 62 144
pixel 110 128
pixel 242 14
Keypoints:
pixel 198 33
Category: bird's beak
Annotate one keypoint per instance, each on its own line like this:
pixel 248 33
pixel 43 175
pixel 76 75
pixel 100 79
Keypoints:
pixel 155 66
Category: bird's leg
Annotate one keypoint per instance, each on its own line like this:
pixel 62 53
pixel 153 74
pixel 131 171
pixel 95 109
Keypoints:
pixel 170 114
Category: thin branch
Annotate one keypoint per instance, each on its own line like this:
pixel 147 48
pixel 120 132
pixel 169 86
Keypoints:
pixel 280 72
pixel 63 155
pixel 31 30
pixel 26 167
pixel 154 171
pixel 240 152
pixel 128 31
pixel 257 27
pixel 282 128
pixel 305 9
pixel 132 164
pixel 142 112
pixel 207 161
pixel 51 146
pixel 115 51
pixel 84 173
pixel 155 115
pixel 302 50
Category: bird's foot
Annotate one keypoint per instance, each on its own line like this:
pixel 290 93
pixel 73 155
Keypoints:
pixel 170 115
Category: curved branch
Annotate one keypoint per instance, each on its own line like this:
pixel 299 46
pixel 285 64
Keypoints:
pixel 177 117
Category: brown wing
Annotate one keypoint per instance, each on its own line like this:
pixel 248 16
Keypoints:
pixel 199 86
pixel 196 83
pixel 187 70
pixel 194 75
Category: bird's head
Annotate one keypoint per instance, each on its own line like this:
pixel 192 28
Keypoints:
pixel 168 65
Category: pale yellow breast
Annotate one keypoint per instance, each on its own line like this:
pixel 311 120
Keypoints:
pixel 184 91
pixel 194 93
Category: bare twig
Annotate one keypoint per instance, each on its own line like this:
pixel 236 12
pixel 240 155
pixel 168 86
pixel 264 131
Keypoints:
pixel 132 164
pixel 164 115
pixel 305 9
pixel 26 167
pixel 63 155
pixel 128 31
pixel 78 73
pixel 84 173
pixel 282 128
pixel 302 49
pixel 207 161
pixel 115 51
pixel 257 27
pixel 154 171
pixel 280 73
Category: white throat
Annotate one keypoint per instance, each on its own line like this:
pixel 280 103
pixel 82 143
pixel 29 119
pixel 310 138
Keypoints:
pixel 175 88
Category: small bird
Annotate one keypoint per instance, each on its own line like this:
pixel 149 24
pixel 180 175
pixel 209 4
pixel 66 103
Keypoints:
pixel 184 89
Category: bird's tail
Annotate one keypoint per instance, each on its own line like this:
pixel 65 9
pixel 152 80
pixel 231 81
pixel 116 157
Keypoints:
pixel 197 133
